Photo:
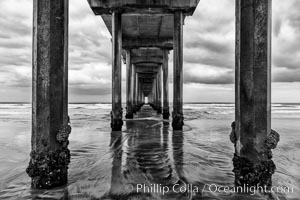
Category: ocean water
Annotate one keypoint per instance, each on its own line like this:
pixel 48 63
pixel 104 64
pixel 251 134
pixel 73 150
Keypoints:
pixel 106 165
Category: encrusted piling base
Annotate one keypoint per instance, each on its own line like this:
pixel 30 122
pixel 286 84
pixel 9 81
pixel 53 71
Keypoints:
pixel 166 113
pixel 255 174
pixel 116 124
pixel 159 110
pixel 247 173
pixel 129 113
pixel 49 168
pixel 134 109
pixel 177 122
pixel 116 121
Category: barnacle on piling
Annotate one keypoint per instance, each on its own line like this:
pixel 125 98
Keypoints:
pixel 63 133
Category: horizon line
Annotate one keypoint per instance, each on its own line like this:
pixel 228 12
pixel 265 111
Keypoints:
pixel 191 102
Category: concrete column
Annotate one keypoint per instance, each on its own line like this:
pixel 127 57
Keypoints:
pixel 177 114
pixel 137 93
pixel 134 89
pixel 159 92
pixel 140 94
pixel 50 156
pixel 252 129
pixel 154 88
pixel 150 97
pixel 165 67
pixel 129 95
pixel 116 114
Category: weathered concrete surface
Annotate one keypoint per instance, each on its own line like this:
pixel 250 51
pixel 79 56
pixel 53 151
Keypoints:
pixel 135 43
pixel 50 130
pixel 252 162
pixel 117 112
pixel 177 114
pixel 237 67
pixel 145 30
pixel 147 56
pixel 150 69
pixel 165 68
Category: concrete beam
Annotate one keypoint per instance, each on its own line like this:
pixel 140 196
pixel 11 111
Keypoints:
pixel 147 59
pixel 134 43
pixel 147 69
pixel 151 52
pixel 101 7
pixel 148 65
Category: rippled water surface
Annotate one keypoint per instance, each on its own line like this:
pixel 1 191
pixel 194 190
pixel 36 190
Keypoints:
pixel 110 165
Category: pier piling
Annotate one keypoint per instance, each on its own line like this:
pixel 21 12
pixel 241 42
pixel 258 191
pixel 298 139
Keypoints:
pixel 252 128
pixel 50 156
pixel 117 113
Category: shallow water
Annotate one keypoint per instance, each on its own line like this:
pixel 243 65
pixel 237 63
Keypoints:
pixel 110 165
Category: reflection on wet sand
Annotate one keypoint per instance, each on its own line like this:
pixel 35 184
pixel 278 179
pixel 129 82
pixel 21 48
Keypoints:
pixel 146 164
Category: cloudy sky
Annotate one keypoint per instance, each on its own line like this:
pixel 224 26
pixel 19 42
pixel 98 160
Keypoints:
pixel 208 52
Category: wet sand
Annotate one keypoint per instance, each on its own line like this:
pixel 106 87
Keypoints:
pixel 111 165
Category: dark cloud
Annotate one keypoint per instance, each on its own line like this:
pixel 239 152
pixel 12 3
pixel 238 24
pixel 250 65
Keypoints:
pixel 209 45
pixel 287 75
pixel 213 60
pixel 91 90
pixel 287 61
pixel 221 78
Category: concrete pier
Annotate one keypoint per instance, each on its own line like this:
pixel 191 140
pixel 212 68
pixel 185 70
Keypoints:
pixel 147 32
pixel 165 68
pixel 50 156
pixel 117 112
pixel 129 94
pixel 159 92
pixel 134 103
pixel 177 114
pixel 252 133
